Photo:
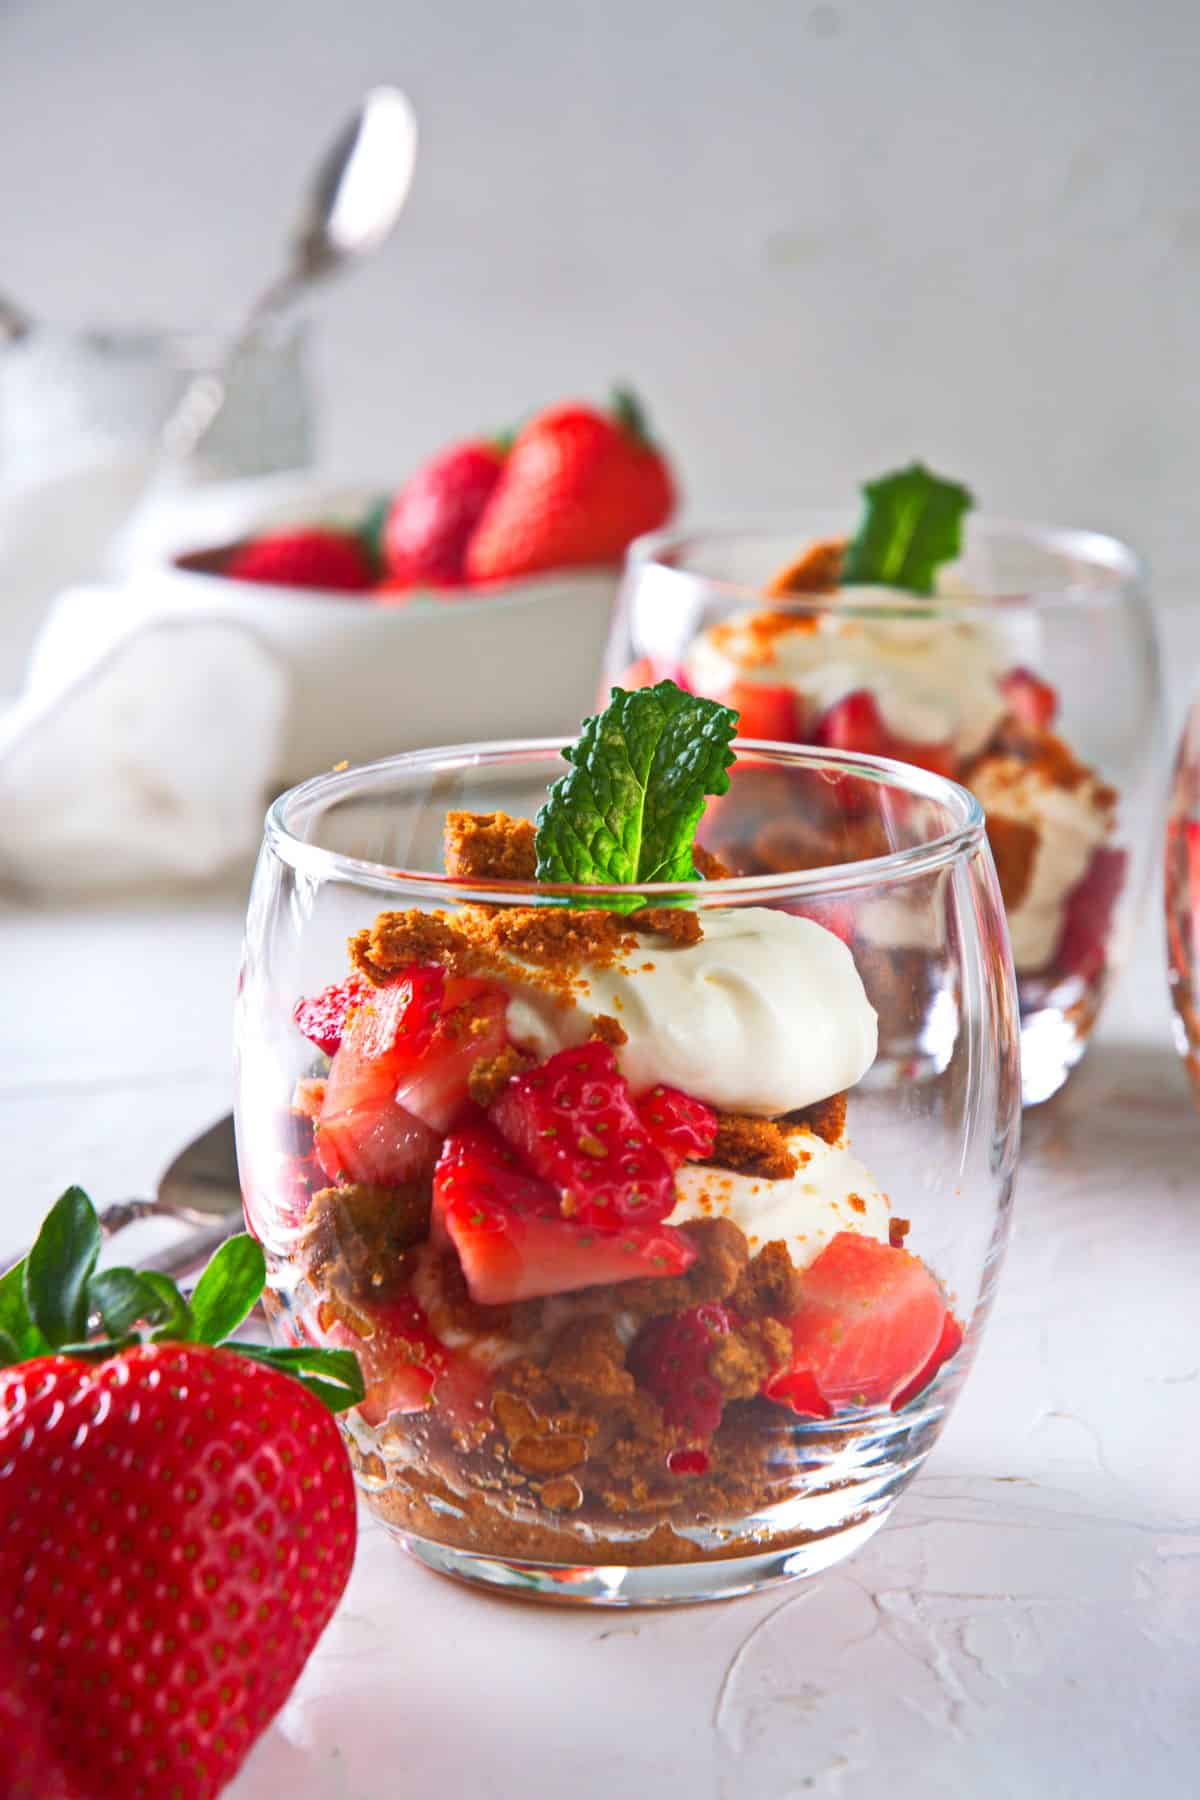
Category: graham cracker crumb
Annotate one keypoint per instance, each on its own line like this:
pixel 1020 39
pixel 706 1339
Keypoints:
pixel 817 570
pixel 357 1235
pixel 898 1230
pixel 677 925
pixel 709 864
pixel 607 1030
pixel 769 1286
pixel 491 1074
pixel 489 847
pixel 826 1119
pixel 1014 847
pixel 751 1146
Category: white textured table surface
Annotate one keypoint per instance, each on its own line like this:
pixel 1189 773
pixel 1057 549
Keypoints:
pixel 1029 1623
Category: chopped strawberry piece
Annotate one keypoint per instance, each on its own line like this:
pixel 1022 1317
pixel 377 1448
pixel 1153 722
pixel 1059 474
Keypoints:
pixel 669 1356
pixel 470 1025
pixel 575 1124
pixel 765 711
pixel 869 1321
pixel 855 723
pixel 405 1365
pixel 512 1240
pixel 691 1461
pixel 948 1345
pixel 322 1018
pixel 1030 700
pixel 683 1129
pixel 797 1389
pixel 1087 926
pixel 400 1075
pixel 309 1097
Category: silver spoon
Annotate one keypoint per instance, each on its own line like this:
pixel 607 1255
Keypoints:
pixel 200 1188
pixel 356 194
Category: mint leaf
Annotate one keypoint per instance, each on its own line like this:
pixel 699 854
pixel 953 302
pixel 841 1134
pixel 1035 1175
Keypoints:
pixel 228 1289
pixel 912 522
pixel 59 1267
pixel 332 1375
pixel 122 1297
pixel 627 810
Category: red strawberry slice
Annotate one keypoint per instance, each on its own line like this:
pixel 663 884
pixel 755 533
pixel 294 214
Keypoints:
pixel 765 711
pixel 869 1322
pixel 470 1025
pixel 1087 926
pixel 575 1124
pixel 670 1356
pixel 682 1128
pixel 322 1018
pixel 1030 700
pixel 797 1388
pixel 378 1143
pixel 855 723
pixel 512 1240
pixel 948 1345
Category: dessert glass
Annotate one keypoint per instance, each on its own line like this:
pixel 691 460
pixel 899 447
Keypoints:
pixel 1067 608
pixel 578 1508
pixel 1181 888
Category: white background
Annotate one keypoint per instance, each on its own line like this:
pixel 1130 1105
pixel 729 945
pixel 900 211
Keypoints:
pixel 820 237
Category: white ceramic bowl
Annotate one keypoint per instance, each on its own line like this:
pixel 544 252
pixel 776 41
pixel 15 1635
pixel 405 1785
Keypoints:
pixel 368 680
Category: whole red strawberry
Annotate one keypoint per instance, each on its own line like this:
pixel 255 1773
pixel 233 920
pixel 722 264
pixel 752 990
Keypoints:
pixel 432 517
pixel 578 487
pixel 312 556
pixel 178 1521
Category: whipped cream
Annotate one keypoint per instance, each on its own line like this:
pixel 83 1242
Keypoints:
pixel 1071 824
pixel 830 1192
pixel 933 678
pixel 765 1014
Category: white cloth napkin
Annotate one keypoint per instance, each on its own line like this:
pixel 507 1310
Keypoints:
pixel 142 747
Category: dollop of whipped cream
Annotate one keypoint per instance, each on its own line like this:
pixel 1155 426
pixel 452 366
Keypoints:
pixel 765 1014
pixel 935 679
pixel 1071 824
pixel 830 1192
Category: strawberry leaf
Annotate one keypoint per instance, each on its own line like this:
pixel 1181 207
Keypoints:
pixel 332 1375
pixel 9 1353
pixel 123 1298
pixel 15 1322
pixel 176 1314
pixel 228 1289
pixel 59 1267
pixel 912 522
pixel 628 809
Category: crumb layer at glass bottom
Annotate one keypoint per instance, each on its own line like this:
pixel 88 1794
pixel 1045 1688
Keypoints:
pixel 831 1486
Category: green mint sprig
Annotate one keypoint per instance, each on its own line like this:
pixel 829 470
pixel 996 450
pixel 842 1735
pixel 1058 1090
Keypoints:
pixel 57 1302
pixel 627 810
pixel 911 523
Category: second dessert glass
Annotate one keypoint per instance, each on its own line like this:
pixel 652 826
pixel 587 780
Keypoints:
pixel 543 1443
pixel 1031 676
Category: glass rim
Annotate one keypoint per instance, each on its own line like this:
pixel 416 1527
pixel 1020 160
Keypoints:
pixel 318 861
pixel 1100 549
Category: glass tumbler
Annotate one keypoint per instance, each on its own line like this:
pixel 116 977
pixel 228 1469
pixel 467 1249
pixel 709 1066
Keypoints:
pixel 1031 676
pixel 1181 889
pixel 730 1390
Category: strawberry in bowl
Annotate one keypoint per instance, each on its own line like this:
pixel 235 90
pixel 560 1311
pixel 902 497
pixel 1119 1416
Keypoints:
pixel 568 1166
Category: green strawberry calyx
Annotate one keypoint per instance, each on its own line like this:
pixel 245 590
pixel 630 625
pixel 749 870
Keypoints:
pixel 57 1302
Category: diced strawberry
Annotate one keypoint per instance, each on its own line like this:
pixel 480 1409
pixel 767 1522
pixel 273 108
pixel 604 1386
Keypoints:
pixel 1030 700
pixel 322 1018
pixel 765 711
pixel 1087 925
pixel 797 1389
pixel 379 1143
pixel 682 1128
pixel 512 1240
pixel 400 1075
pixel 470 1025
pixel 574 1123
pixel 855 723
pixel 402 1359
pixel 869 1321
pixel 948 1345
pixel 309 1097
pixel 669 1356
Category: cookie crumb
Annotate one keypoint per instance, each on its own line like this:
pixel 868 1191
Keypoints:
pixel 489 847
